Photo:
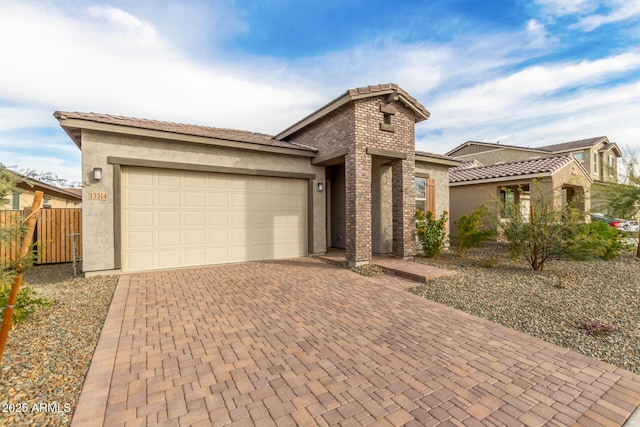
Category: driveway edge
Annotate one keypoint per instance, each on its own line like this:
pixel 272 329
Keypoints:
pixel 92 403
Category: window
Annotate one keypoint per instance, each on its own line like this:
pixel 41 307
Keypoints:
pixel 507 202
pixel 514 197
pixel 425 194
pixel 595 162
pixel 578 157
pixel 421 194
pixel 611 166
pixel 16 201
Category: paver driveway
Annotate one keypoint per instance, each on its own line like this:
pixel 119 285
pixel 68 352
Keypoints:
pixel 300 342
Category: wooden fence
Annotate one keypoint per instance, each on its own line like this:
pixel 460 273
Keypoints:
pixel 52 239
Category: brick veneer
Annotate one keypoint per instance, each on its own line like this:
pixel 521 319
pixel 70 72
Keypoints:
pixel 356 126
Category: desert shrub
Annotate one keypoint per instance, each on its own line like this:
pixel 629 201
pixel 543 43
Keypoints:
pixel 594 327
pixel 471 232
pixel 431 232
pixel 26 303
pixel 592 240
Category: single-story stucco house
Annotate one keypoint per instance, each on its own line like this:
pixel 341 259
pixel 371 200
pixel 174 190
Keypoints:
pixel 561 179
pixel 54 197
pixel 167 195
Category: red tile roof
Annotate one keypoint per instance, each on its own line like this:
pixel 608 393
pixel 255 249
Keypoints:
pixel 542 166
pixel 184 129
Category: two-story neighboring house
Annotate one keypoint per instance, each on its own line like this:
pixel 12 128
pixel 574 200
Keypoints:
pixel 598 155
pixel 576 170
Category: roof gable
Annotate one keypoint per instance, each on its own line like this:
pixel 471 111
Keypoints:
pixel 392 90
pixel 574 145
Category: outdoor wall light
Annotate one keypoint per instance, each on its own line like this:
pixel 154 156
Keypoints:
pixel 320 187
pixel 97 174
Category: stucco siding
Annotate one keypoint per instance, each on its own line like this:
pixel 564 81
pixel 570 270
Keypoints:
pixel 98 215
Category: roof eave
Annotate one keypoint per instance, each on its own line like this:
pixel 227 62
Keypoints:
pixel 69 125
pixel 500 178
pixel 438 160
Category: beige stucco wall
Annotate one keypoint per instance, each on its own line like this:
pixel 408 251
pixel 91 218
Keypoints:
pixel 464 199
pixel 26 200
pixel 440 174
pixel 98 215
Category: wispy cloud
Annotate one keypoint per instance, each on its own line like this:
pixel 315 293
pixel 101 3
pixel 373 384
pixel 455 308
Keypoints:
pixel 591 14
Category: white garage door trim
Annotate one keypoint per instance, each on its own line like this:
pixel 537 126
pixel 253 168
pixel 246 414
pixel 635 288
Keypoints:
pixel 176 218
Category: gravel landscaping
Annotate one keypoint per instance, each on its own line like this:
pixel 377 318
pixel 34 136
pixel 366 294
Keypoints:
pixel 47 356
pixel 553 304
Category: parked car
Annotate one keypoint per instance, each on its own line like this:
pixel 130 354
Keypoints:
pixel 617 223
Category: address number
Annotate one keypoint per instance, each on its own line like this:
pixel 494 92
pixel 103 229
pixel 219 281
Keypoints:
pixel 97 196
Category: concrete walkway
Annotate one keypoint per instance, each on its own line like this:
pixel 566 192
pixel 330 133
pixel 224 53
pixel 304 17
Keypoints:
pixel 302 342
pixel 409 270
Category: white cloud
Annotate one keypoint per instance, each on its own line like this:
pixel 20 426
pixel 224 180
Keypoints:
pixel 591 14
pixel 106 60
pixel 620 11
pixel 567 7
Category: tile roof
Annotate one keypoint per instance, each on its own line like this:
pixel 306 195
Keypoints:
pixel 373 89
pixel 572 145
pixel 467 165
pixel 184 129
pixel 543 166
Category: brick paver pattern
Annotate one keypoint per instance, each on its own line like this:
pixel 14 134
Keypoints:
pixel 301 342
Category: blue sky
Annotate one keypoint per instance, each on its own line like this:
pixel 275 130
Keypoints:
pixel 519 72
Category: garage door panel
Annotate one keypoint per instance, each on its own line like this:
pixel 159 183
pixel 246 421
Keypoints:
pixel 141 239
pixel 141 198
pixel 218 237
pixel 167 218
pixel 167 239
pixel 194 180
pixel 140 218
pixel 193 218
pixel 217 199
pixel 167 258
pixel 167 199
pixel 176 218
pixel 193 237
pixel 218 218
pixel 166 179
pixel 193 199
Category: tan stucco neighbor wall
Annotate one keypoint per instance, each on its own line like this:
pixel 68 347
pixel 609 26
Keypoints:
pixel 463 199
pixel 98 215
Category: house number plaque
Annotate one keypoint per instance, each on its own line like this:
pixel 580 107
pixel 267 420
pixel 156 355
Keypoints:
pixel 97 196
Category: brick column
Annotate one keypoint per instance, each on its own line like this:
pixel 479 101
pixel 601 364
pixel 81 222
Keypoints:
pixel 358 207
pixel 404 207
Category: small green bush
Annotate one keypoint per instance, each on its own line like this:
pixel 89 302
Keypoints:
pixel 471 232
pixel 593 240
pixel 26 303
pixel 431 232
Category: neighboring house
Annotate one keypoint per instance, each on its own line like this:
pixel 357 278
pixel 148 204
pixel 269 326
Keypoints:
pixel 165 195
pixel 562 178
pixel 54 197
pixel 598 156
